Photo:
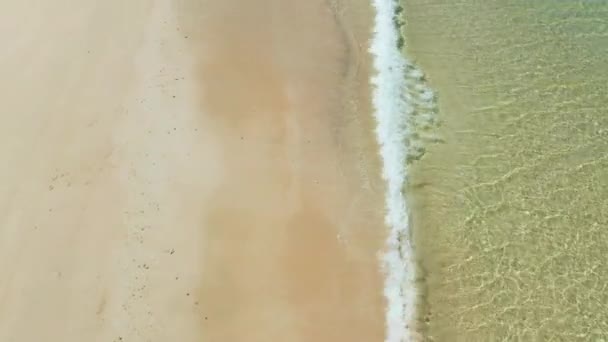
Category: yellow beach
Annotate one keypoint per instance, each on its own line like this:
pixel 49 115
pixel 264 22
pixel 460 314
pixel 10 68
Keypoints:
pixel 188 171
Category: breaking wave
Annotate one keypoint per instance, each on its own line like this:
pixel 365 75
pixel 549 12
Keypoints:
pixel 405 113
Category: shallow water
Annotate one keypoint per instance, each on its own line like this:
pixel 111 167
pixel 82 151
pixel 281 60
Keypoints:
pixel 510 214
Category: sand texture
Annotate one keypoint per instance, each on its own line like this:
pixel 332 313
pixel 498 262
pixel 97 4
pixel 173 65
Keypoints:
pixel 188 171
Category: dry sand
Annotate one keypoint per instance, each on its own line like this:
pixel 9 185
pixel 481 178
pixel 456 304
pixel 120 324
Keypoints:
pixel 188 171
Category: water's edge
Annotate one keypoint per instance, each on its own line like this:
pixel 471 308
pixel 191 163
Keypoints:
pixel 405 113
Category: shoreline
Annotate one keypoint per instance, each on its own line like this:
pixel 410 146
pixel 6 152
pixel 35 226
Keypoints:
pixel 406 113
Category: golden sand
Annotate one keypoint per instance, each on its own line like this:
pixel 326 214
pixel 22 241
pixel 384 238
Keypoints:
pixel 187 171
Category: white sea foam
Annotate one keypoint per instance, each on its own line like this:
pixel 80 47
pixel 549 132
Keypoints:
pixel 402 103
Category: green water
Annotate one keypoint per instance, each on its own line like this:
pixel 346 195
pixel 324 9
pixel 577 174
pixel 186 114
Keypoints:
pixel 511 212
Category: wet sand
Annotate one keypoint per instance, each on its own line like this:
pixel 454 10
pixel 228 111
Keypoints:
pixel 186 171
pixel 292 236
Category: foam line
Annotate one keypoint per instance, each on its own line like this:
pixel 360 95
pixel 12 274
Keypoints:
pixel 399 96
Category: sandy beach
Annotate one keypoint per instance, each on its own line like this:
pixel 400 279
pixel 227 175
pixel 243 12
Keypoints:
pixel 188 171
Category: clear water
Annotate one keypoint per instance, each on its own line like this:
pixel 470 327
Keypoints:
pixel 511 212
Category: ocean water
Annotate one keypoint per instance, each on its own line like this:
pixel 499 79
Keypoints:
pixel 510 210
